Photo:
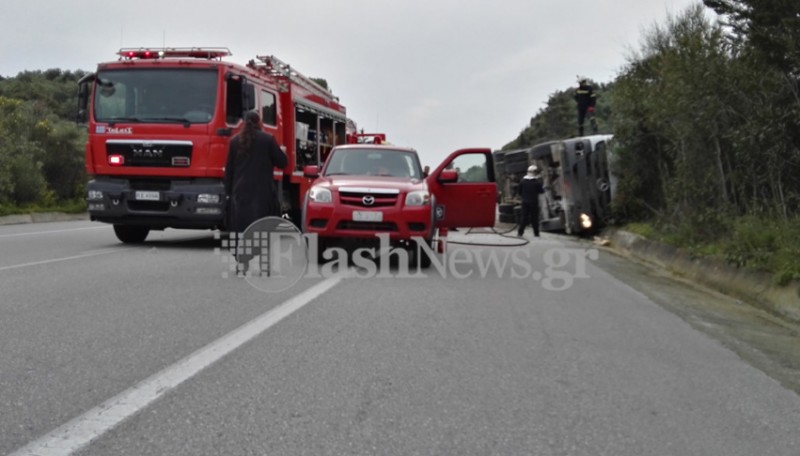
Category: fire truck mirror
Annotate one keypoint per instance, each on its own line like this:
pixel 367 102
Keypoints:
pixel 83 103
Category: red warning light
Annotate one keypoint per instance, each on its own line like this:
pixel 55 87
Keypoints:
pixel 116 160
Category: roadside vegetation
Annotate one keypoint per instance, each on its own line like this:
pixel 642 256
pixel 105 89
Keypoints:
pixel 41 147
pixel 706 124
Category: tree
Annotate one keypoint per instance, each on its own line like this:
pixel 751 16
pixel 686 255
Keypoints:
pixel 772 27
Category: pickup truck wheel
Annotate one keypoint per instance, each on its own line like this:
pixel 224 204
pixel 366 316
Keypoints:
pixel 131 234
pixel 322 244
pixel 419 257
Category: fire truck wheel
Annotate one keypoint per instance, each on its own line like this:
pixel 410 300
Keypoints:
pixel 131 234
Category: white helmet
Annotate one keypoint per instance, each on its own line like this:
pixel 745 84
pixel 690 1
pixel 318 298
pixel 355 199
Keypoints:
pixel 533 169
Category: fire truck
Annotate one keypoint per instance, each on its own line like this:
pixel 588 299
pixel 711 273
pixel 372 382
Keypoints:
pixel 160 121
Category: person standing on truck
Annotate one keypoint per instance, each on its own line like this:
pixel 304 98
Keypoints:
pixel 529 189
pixel 586 98
pixel 249 183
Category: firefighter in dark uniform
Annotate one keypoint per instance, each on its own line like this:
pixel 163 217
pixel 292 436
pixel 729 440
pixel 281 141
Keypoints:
pixel 586 98
pixel 529 189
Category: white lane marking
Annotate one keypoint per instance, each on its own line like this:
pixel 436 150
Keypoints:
pixel 32 233
pixel 82 430
pixel 58 260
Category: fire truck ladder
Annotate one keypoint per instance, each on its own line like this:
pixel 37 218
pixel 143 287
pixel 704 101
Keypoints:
pixel 277 67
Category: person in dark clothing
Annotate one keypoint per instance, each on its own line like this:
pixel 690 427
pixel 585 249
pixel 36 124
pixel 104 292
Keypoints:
pixel 252 156
pixel 529 189
pixel 586 98
pixel 252 193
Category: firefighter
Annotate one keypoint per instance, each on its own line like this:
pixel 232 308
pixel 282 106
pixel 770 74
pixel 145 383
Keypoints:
pixel 586 98
pixel 529 189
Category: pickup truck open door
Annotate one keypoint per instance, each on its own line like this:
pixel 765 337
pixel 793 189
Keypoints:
pixel 464 189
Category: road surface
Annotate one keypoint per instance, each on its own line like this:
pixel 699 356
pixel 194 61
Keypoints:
pixel 112 349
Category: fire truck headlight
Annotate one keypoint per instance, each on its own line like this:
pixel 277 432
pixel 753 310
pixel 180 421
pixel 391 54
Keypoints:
pixel 418 198
pixel 95 195
pixel 320 195
pixel 208 198
pixel 586 221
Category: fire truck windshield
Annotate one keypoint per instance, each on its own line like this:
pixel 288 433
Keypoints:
pixel 155 95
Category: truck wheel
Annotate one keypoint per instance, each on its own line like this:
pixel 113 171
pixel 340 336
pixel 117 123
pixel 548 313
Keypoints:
pixel 419 257
pixel 131 234
pixel 322 245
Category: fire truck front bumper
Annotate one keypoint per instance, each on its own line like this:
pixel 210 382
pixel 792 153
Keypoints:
pixel 158 204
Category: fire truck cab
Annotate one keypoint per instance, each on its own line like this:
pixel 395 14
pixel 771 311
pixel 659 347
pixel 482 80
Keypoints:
pixel 159 123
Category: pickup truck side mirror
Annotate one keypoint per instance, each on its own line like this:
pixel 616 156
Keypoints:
pixel 448 175
pixel 311 171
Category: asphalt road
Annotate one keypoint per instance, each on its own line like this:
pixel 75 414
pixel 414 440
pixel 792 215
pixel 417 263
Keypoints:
pixel 110 349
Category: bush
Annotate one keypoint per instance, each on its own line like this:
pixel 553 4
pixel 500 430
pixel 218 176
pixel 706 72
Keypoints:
pixel 41 157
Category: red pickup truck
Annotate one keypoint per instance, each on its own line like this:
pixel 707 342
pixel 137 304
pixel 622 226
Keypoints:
pixel 364 191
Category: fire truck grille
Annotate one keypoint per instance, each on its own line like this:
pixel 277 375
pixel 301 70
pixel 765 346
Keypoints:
pixel 367 200
pixel 367 226
pixel 154 154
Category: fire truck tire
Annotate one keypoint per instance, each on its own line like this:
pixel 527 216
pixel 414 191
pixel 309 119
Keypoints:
pixel 129 234
pixel 506 208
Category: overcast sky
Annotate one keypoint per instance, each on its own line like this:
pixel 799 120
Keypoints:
pixel 436 75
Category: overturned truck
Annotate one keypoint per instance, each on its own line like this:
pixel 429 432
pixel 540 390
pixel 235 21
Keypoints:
pixel 577 179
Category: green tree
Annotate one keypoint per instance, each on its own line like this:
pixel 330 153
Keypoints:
pixel 54 89
pixel 771 27
pixel 41 156
pixel 21 178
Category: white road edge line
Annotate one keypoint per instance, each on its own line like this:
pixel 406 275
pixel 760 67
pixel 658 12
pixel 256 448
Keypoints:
pixel 57 260
pixel 82 430
pixel 51 232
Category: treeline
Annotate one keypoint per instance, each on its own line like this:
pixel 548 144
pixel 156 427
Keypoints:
pixel 41 147
pixel 706 124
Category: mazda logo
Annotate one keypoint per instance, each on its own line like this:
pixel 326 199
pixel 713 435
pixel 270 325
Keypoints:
pixel 368 200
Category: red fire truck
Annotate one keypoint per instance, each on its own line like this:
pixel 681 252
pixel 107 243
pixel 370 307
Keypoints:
pixel 160 121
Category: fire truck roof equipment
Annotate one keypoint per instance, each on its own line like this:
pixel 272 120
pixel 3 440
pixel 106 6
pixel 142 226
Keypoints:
pixel 163 53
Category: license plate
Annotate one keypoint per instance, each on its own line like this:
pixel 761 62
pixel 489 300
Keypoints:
pixel 367 216
pixel 147 196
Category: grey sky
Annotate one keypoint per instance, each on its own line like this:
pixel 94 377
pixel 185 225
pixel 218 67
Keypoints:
pixel 436 75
